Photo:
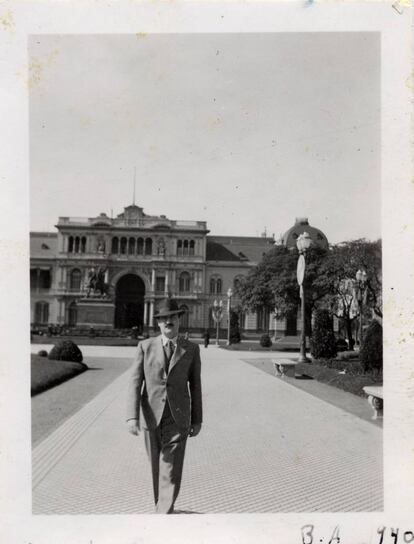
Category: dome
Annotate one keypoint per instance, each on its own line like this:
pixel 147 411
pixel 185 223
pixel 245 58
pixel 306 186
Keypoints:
pixel 302 225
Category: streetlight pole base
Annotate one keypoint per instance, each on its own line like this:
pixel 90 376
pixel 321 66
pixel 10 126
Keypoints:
pixel 303 359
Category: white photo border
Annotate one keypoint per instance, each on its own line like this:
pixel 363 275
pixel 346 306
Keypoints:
pixel 18 20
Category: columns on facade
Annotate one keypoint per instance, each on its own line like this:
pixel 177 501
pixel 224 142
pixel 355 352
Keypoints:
pixel 173 280
pixel 60 314
pixel 89 244
pixel 60 284
pixel 145 313
pixel 61 243
pixel 108 243
pixel 204 279
pixel 153 280
pixel 151 313
pixel 166 284
pixel 195 284
pixel 65 278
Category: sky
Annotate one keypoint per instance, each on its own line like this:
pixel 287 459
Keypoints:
pixel 244 131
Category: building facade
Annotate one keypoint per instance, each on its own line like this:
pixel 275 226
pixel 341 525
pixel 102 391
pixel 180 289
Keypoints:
pixel 141 259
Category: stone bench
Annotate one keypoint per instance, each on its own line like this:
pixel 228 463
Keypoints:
pixel 375 399
pixel 284 367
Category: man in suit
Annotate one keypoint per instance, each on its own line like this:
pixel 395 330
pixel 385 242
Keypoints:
pixel 165 383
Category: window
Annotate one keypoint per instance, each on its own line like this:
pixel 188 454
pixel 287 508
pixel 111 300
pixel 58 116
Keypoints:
pixel 185 250
pixel 179 248
pixel 131 246
pixel 216 286
pixel 75 279
pixel 123 246
pixel 184 318
pixel 237 282
pixel 72 314
pixel 184 282
pixel 33 278
pixel 70 245
pixel 192 246
pixel 83 244
pixel 77 243
pixel 44 279
pixel 160 284
pixel 262 319
pixel 41 312
pixel 140 246
pixel 40 279
pixel 148 246
pixel 115 245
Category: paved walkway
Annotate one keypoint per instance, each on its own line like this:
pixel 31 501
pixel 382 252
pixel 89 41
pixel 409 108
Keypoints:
pixel 265 446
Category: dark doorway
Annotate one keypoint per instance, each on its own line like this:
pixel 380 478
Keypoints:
pixel 129 302
pixel 291 324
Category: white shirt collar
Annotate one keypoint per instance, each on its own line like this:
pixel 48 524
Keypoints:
pixel 165 340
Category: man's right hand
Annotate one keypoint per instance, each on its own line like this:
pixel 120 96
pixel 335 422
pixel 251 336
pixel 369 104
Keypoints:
pixel 133 426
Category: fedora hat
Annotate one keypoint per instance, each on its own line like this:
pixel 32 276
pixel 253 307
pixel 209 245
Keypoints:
pixel 167 307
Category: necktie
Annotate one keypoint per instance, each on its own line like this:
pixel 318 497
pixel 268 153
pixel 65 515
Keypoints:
pixel 169 350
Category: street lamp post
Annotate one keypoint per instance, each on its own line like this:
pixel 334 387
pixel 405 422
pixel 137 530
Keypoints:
pixel 303 243
pixel 229 295
pixel 361 281
pixel 217 315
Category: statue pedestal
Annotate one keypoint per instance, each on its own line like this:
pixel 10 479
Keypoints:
pixel 96 312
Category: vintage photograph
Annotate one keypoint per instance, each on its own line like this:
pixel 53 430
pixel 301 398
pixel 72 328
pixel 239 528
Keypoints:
pixel 206 273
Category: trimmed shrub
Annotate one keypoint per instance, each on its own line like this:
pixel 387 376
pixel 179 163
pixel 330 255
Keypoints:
pixel 66 350
pixel 265 341
pixel 42 353
pixel 371 349
pixel 341 344
pixel 323 342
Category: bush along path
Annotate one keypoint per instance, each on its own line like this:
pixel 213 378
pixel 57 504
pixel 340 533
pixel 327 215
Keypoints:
pixel 46 374
pixel 64 361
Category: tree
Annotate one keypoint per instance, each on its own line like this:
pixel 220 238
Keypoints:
pixel 273 283
pixel 337 278
pixel 371 351
pixel 329 281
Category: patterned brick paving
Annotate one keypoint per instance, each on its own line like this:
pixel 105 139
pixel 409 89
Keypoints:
pixel 265 447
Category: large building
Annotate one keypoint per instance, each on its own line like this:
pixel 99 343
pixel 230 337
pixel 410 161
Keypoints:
pixel 142 258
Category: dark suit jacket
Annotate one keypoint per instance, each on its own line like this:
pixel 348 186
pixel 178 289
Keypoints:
pixel 150 386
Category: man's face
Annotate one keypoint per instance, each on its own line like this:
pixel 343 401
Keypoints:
pixel 169 325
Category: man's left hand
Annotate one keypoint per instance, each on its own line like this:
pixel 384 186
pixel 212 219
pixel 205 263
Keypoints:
pixel 194 430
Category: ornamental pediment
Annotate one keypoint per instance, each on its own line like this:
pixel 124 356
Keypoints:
pixel 101 221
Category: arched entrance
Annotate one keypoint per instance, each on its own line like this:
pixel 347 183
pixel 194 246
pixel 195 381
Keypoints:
pixel 129 302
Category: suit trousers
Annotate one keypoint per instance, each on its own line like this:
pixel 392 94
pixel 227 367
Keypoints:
pixel 165 447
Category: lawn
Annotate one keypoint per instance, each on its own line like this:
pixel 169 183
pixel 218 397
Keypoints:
pixel 46 374
pixel 247 345
pixel 351 383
